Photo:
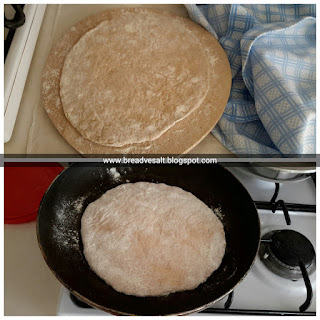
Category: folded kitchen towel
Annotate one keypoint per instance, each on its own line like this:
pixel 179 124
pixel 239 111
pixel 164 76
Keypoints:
pixel 272 54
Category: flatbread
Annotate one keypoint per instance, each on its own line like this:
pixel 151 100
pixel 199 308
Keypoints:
pixel 140 73
pixel 178 139
pixel 148 239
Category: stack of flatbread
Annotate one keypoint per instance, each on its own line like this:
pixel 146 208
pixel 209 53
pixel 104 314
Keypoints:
pixel 135 81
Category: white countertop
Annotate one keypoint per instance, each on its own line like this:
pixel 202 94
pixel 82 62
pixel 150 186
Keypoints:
pixel 33 132
pixel 30 288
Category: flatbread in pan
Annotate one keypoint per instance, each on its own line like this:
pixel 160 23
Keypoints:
pixel 148 239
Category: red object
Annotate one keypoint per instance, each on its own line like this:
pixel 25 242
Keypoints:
pixel 24 186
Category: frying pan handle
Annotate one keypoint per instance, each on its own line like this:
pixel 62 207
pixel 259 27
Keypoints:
pixel 306 279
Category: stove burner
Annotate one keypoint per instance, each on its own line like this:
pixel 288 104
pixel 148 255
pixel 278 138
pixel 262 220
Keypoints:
pixel 282 251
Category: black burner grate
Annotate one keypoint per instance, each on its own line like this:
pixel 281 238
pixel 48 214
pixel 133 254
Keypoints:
pixel 290 247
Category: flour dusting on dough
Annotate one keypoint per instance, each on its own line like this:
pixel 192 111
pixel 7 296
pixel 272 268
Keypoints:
pixel 134 79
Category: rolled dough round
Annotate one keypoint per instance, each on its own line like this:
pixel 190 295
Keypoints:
pixel 140 73
pixel 180 137
pixel 148 239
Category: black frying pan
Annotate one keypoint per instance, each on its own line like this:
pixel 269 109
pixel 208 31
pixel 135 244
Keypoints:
pixel 59 237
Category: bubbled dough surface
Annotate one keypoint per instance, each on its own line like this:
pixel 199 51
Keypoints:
pixel 148 239
pixel 179 138
pixel 139 74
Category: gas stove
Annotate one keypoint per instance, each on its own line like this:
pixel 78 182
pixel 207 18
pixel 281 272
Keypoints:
pixel 277 284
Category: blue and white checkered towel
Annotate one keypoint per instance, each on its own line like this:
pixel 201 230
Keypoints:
pixel 272 53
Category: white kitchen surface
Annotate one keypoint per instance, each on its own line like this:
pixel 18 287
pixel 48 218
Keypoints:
pixel 33 132
pixel 17 63
pixel 30 288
